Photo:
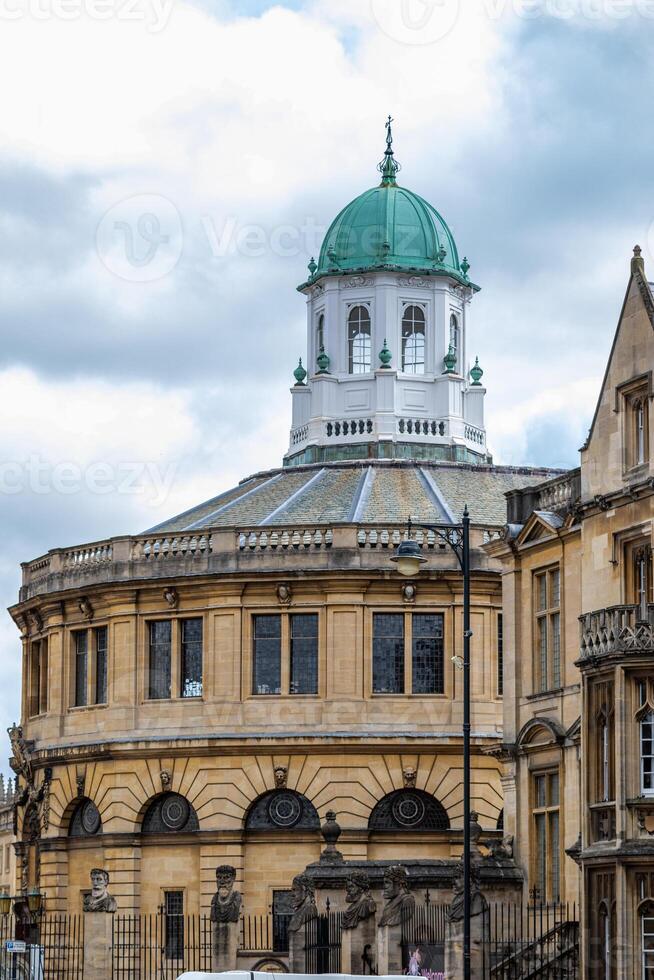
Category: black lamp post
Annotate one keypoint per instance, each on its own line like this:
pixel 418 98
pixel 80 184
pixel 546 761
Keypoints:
pixel 408 559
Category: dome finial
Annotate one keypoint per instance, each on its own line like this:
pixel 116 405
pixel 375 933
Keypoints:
pixel 389 167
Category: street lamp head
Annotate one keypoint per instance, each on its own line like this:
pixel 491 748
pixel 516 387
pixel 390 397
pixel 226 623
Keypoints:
pixel 408 558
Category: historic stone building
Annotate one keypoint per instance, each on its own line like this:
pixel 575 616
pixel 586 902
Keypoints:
pixel 203 693
pixel 579 687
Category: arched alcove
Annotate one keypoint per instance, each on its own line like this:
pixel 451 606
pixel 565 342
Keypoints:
pixel 282 810
pixel 409 809
pixel 170 813
pixel 85 820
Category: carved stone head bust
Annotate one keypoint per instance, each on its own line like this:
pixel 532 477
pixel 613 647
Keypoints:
pixel 400 903
pixel 226 903
pixel 304 902
pixel 361 904
pixel 99 900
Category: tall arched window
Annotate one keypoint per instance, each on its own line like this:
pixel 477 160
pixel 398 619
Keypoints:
pixel 320 333
pixel 647 754
pixel 455 339
pixel 359 342
pixel 413 340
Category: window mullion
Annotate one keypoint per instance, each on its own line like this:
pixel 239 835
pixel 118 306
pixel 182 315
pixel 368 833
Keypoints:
pixel 408 653
pixel 176 659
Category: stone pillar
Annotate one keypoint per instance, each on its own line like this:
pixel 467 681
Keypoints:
pixel 98 941
pixel 454 948
pixel 358 949
pixel 389 950
pixel 224 946
pixel 304 909
pixel 296 951
pixel 225 913
pixel 399 908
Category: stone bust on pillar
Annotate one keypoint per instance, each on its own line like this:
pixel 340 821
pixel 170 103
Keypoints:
pixel 360 903
pixel 304 902
pixel 226 903
pixel 400 903
pixel 99 900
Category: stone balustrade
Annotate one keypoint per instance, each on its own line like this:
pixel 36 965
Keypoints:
pixel 617 629
pixel 560 493
pixel 221 549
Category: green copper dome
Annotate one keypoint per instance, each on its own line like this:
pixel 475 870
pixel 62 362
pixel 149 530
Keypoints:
pixel 389 227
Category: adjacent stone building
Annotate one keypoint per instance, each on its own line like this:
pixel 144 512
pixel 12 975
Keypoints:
pixel 579 638
pixel 204 693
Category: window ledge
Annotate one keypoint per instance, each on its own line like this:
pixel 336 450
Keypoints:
pixel 171 700
pixel 86 707
pixel 553 692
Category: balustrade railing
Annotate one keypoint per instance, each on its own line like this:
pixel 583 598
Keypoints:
pixel 284 539
pixel 617 629
pixel 560 493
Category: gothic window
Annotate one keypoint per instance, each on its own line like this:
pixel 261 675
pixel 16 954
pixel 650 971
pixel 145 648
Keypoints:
pixel 455 338
pixel 289 640
pixel 159 661
pixel 647 940
pixel 38 678
pixel 170 813
pixel 545 814
pixel 639 577
pixel 413 340
pixel 407 809
pixel 80 640
pixel 191 658
pixel 359 340
pixel 174 923
pixel 547 595
pixel 85 821
pixel 408 653
pixel 647 754
pixel 282 810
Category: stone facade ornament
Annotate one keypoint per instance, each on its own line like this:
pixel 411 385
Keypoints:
pixel 400 903
pixel 501 849
pixel 360 903
pixel 478 903
pixel 284 593
pixel 35 620
pixel 331 831
pixel 409 777
pixel 86 608
pixel 304 902
pixel 80 783
pixel 172 597
pixel 99 900
pixel 356 282
pixel 281 777
pixel 409 592
pixel 226 903
pixel 166 779
pixel 35 800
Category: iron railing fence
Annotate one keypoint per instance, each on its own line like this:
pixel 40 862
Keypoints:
pixel 160 947
pixel 54 948
pixel 531 942
pixel 322 942
pixel 265 933
pixel 423 939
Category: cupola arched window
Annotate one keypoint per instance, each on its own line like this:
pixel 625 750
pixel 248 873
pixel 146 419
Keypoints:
pixel 86 820
pixel 170 813
pixel 320 333
pixel 359 340
pixel 455 338
pixel 409 809
pixel 413 340
pixel 282 810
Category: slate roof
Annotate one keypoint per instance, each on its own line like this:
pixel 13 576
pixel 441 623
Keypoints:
pixel 362 492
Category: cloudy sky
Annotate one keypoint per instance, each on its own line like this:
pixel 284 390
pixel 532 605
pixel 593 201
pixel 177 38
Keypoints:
pixel 167 168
